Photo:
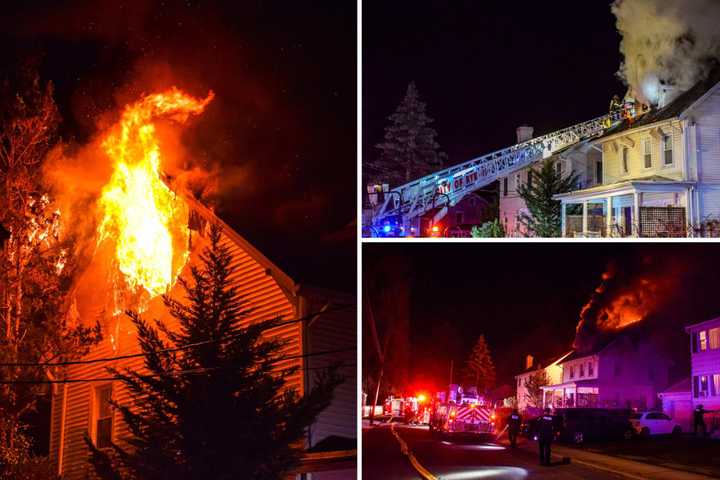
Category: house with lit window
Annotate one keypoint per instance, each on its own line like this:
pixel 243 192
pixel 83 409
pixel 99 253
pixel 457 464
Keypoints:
pixel 580 159
pixel 622 371
pixel 553 375
pixel 326 323
pixel 705 364
pixel 657 175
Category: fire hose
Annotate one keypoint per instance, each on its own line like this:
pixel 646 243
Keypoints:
pixel 424 473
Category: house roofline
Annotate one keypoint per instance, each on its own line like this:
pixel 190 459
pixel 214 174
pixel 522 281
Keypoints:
pixel 551 364
pixel 685 113
pixel 688 328
pixel 288 284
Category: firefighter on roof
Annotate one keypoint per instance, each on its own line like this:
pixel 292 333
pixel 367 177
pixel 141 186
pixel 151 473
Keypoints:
pixel 615 104
pixel 514 421
pixel 545 435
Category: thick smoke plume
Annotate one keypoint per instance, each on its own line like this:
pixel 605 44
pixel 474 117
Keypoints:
pixel 627 295
pixel 669 45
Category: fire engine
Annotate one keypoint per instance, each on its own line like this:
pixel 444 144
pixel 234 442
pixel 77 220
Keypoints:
pixel 410 409
pixel 462 411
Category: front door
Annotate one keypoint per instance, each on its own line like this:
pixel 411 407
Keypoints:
pixel 627 221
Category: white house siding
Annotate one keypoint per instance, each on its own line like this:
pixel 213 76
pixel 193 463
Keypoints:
pixel 330 332
pixel 708 201
pixel 266 292
pixel 707 118
pixel 659 199
pixel 554 374
pixel 705 363
pixel 634 141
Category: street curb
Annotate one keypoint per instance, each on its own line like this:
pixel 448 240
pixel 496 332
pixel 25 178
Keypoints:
pixel 425 473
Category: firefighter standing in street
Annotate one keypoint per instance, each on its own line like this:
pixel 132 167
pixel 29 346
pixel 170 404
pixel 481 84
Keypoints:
pixel 514 421
pixel 545 435
pixel 699 419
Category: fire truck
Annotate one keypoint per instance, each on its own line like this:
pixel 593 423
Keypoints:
pixel 462 411
pixel 410 409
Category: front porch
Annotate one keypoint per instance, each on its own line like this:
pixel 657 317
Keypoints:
pixel 651 207
pixel 583 393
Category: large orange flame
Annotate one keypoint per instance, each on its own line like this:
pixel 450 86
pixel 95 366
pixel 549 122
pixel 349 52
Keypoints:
pixel 139 213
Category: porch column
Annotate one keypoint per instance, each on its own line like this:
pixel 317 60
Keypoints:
pixel 609 219
pixel 562 219
pixel 636 212
pixel 585 218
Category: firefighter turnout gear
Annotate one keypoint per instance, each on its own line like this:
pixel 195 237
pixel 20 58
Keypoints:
pixel 545 435
pixel 513 426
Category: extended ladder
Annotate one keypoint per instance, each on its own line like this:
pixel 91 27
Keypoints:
pixel 447 187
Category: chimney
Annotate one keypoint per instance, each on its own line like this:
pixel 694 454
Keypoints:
pixel 524 133
pixel 529 360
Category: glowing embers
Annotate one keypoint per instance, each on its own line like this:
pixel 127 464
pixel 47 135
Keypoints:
pixel 138 212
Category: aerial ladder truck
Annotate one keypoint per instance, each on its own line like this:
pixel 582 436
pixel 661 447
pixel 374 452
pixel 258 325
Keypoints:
pixel 394 211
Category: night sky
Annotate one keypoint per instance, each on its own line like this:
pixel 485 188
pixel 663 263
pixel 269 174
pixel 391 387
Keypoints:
pixel 485 68
pixel 281 129
pixel 526 298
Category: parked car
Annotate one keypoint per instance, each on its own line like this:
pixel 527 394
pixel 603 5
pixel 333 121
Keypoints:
pixel 654 423
pixel 578 425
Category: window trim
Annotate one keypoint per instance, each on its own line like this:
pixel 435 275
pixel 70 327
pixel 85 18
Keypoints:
pixel 95 414
pixel 625 160
pixel 645 143
pixel 664 150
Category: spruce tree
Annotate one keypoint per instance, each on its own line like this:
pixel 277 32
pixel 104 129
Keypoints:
pixel 544 219
pixel 479 367
pixel 409 149
pixel 212 403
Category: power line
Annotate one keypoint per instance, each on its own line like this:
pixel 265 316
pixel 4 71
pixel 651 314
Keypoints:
pixel 182 372
pixel 168 350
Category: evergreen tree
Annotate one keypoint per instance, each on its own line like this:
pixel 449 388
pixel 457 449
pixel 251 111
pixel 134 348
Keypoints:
pixel 544 219
pixel 533 386
pixel 409 149
pixel 479 367
pixel 213 403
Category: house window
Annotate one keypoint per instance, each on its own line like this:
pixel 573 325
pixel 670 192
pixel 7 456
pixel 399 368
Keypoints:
pixel 598 173
pixel 716 384
pixel 572 371
pixel 582 370
pixel 530 179
pixel 517 181
pixel 558 167
pixel 668 149
pixel 714 334
pixel 702 340
pixel 590 369
pixel 701 386
pixel 505 186
pixel 626 160
pixel 102 412
pixel 647 149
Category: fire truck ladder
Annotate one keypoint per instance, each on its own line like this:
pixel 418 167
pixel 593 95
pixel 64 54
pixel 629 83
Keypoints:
pixel 447 187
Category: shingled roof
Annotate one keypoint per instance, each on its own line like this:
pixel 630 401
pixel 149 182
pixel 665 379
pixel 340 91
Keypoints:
pixel 673 109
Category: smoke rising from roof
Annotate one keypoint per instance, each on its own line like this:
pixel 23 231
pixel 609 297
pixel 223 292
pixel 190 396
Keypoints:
pixel 666 43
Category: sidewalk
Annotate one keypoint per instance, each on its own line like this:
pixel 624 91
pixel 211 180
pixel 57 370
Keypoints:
pixel 617 465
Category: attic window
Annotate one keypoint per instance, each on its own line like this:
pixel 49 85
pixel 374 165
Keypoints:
pixel 590 369
pixel 702 340
pixel 714 334
pixel 647 155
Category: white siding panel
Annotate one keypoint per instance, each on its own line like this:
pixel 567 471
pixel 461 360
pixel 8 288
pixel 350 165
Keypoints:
pixel 707 117
pixel 709 199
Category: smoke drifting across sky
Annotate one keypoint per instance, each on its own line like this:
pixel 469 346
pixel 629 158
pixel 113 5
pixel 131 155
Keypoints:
pixel 671 42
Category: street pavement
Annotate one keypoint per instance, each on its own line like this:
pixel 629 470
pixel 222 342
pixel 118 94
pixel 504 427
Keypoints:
pixel 460 459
